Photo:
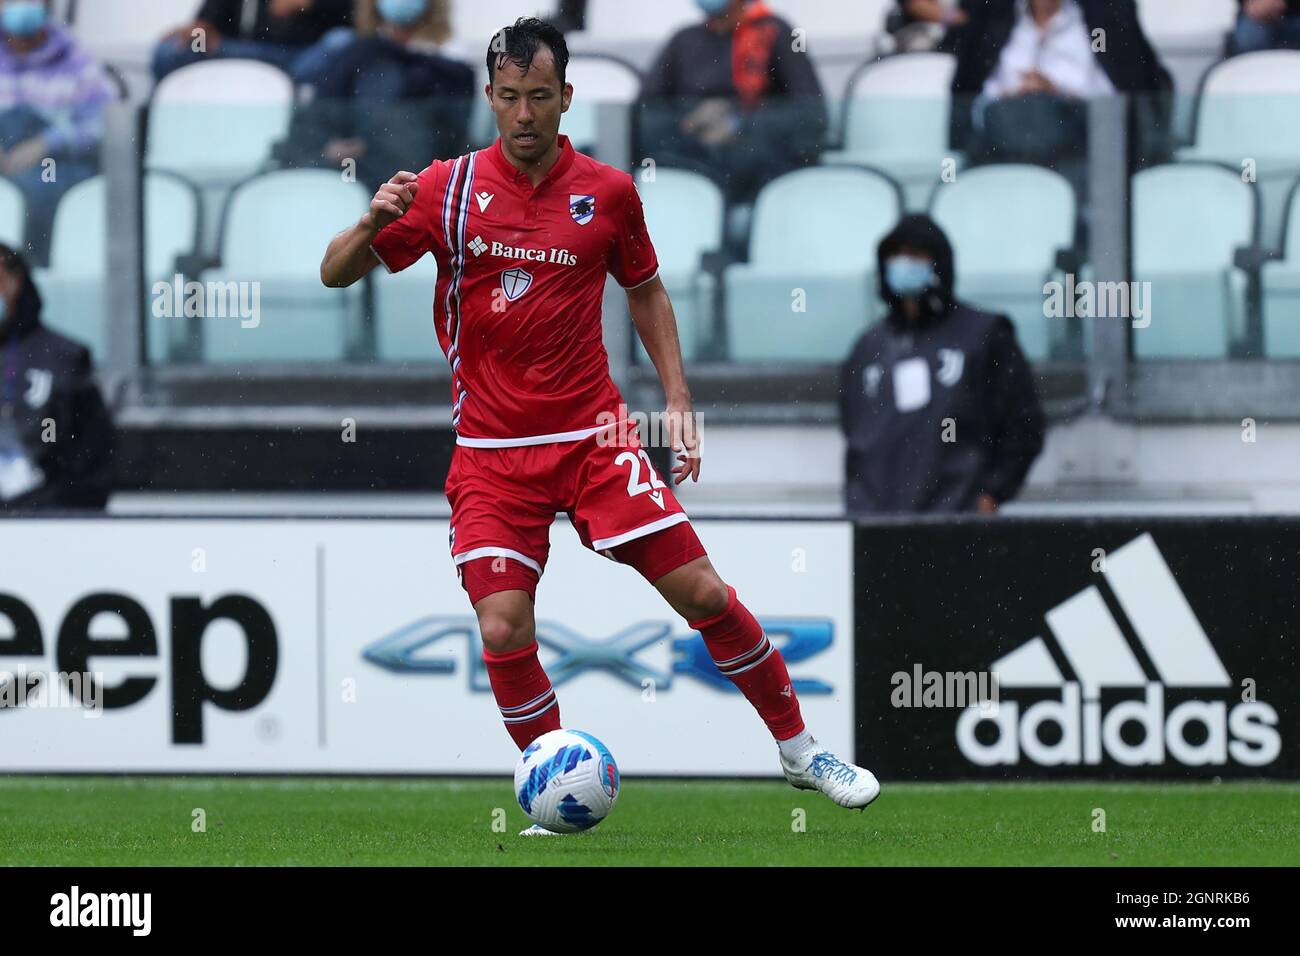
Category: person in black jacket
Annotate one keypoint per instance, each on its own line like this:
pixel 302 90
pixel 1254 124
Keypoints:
pixel 1266 25
pixel 733 94
pixel 937 402
pixel 278 32
pixel 56 437
pixel 1026 67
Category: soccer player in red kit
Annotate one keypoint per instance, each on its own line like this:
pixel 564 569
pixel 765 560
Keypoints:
pixel 524 233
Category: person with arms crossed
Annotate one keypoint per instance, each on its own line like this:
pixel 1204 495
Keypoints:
pixel 524 233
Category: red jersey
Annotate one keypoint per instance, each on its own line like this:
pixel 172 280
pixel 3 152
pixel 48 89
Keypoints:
pixel 521 277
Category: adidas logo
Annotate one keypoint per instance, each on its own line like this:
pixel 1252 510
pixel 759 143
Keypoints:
pixel 477 246
pixel 1196 732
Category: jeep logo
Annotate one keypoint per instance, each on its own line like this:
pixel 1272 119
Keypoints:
pixel 76 646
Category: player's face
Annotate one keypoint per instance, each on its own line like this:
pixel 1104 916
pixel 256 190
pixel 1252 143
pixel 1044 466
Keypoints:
pixel 528 106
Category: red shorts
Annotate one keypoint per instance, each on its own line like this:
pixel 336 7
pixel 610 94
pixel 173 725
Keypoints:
pixel 503 501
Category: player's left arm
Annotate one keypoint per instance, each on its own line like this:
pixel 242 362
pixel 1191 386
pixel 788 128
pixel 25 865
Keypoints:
pixel 652 314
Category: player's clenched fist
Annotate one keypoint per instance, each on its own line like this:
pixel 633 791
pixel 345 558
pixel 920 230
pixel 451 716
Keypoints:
pixel 393 199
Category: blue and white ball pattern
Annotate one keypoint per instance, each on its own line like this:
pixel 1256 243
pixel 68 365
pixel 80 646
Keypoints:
pixel 566 781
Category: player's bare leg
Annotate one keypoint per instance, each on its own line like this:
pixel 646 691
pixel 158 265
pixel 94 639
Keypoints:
pixel 743 653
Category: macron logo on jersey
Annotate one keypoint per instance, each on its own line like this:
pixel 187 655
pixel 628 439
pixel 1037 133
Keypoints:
pixel 484 200
pixel 1096 650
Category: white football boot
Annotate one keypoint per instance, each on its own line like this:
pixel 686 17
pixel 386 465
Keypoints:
pixel 844 783
pixel 538 830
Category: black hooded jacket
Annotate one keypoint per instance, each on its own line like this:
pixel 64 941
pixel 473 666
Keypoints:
pixel 49 398
pixel 938 412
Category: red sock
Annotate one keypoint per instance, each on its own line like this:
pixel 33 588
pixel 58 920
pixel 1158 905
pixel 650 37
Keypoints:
pixel 743 654
pixel 524 694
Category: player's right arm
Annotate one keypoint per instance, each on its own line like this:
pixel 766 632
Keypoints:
pixel 350 257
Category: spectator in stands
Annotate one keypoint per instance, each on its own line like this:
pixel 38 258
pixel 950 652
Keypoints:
pixel 937 401
pixel 56 437
pixel 1025 69
pixel 273 31
pixel 921 25
pixel 735 94
pixel 433 36
pixel 1267 25
pixel 52 99
pixel 385 100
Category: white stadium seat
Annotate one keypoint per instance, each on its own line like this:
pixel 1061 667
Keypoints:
pixel 604 90
pixel 685 214
pixel 13 215
pixel 74 286
pixel 217 121
pixel 125 31
pixel 809 288
pixel 896 119
pixel 1006 224
pixel 473 22
pixel 1185 250
pixel 1249 109
pixel 1281 282
pixel 275 229
pixel 655 22
pixel 1165 20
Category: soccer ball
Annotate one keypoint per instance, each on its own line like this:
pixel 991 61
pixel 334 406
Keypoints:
pixel 566 781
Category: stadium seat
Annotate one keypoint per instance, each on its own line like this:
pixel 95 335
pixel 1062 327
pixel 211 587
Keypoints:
pixel 273 234
pixel 74 286
pixel 124 31
pixel 404 328
pixel 1281 288
pixel 473 22
pixel 13 214
pixel 216 122
pixel 809 288
pixel 896 119
pixel 685 213
pixel 1248 111
pixel 648 22
pixel 1206 20
pixel 1007 224
pixel 1185 250
pixel 604 90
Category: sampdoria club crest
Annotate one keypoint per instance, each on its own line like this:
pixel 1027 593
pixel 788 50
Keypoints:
pixel 582 208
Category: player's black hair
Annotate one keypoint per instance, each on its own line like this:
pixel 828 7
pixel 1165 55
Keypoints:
pixel 520 43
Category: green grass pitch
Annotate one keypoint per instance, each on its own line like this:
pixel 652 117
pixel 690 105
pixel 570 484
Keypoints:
pixel 90 821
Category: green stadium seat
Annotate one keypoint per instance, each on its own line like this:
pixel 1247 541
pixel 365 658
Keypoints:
pixel 274 232
pixel 1007 224
pixel 809 288
pixel 1185 249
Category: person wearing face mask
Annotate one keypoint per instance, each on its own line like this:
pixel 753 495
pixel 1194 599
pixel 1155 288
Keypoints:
pixel 52 99
pixel 273 31
pixel 937 402
pixel 56 437
pixel 386 97
pixel 732 93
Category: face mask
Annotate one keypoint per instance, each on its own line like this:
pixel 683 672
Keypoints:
pixel 23 18
pixel 401 12
pixel 907 276
pixel 712 8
